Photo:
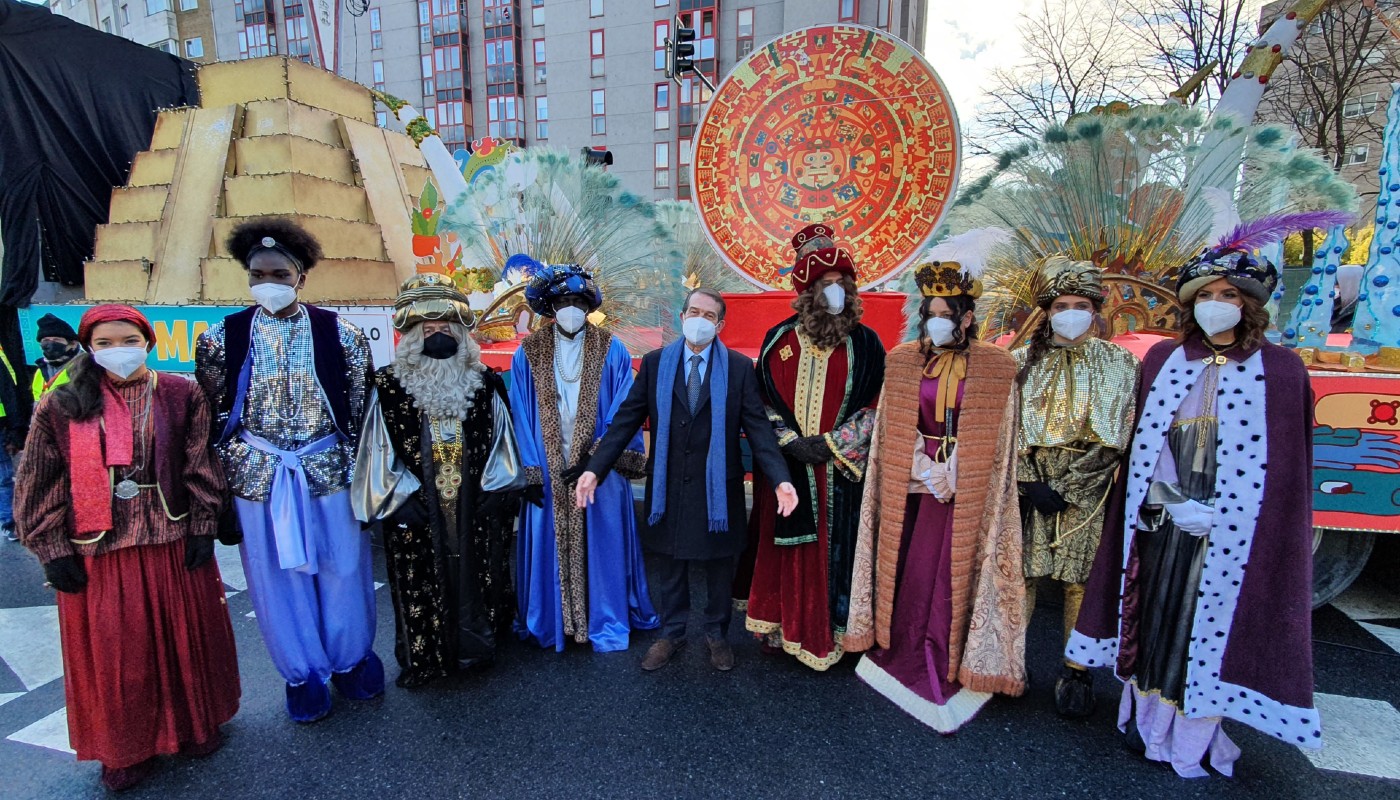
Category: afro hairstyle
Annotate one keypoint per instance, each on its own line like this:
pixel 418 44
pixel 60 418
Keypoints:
pixel 297 241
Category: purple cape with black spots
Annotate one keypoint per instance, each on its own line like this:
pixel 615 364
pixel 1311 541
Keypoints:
pixel 1269 649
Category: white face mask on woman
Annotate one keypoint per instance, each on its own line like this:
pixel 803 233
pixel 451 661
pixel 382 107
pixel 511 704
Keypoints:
pixel 940 330
pixel 570 319
pixel 1072 323
pixel 835 296
pixel 120 361
pixel 1216 317
pixel 273 297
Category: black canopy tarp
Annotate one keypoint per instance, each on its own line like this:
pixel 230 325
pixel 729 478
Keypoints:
pixel 76 105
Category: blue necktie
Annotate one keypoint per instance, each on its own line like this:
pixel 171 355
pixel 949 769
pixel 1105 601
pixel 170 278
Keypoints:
pixel 692 385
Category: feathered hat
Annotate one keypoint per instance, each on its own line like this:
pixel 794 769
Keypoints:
pixel 1060 276
pixel 817 263
pixel 955 265
pixel 561 280
pixel 1232 258
pixel 431 297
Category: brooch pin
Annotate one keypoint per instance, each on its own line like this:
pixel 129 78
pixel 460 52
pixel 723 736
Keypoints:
pixel 786 352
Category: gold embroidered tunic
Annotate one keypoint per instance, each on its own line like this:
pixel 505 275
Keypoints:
pixel 1077 416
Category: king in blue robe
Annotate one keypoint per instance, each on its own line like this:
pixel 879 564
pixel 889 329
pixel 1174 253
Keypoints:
pixel 579 571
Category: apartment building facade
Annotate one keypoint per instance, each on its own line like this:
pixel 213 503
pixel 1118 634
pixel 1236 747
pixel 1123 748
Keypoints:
pixel 180 27
pixel 570 74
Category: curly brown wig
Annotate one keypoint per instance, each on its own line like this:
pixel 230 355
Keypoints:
pixel 297 241
pixel 1249 333
pixel 826 330
pixel 960 305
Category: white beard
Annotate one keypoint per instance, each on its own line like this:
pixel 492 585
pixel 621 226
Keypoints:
pixel 442 388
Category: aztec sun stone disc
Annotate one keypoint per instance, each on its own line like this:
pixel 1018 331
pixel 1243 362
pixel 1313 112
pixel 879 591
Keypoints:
pixel 840 124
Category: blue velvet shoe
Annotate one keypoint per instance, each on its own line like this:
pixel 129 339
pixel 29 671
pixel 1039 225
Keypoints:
pixel 364 682
pixel 309 702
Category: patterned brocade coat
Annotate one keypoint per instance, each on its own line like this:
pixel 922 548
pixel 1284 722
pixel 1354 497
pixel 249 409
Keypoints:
pixel 450 580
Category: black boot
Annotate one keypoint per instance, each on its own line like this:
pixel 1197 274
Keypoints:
pixel 1074 693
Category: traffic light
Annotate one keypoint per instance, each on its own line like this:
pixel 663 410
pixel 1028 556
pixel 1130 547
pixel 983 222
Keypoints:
pixel 682 52
pixel 597 157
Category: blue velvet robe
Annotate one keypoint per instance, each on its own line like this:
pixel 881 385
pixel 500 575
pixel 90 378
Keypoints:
pixel 600 594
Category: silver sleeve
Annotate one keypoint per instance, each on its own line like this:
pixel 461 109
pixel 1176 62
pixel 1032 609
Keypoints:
pixel 381 484
pixel 503 472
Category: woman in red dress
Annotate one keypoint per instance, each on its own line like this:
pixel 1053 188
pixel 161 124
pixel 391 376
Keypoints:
pixel 118 495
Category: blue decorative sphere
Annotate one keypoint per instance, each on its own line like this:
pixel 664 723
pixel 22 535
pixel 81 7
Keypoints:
pixel 1392 225
pixel 1395 311
pixel 1361 298
pixel 1320 254
pixel 1331 269
pixel 1310 290
pixel 1317 270
pixel 1380 281
pixel 1385 251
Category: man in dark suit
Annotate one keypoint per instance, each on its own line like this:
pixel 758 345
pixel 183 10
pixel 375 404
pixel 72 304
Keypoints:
pixel 697 395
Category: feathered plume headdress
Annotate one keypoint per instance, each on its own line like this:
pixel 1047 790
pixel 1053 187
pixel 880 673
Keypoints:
pixel 1231 256
pixel 955 265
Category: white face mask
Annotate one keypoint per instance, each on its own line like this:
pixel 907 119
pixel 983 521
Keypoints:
pixel 273 297
pixel 835 295
pixel 120 361
pixel 1216 317
pixel 940 330
pixel 1072 324
pixel 570 318
pixel 698 331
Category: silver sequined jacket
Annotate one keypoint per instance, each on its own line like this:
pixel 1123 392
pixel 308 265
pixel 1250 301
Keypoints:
pixel 272 410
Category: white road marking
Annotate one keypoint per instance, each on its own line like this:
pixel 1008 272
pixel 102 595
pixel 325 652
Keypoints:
pixel 29 644
pixel 1359 736
pixel 50 732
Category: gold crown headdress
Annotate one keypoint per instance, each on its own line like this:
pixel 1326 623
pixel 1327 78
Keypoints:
pixel 431 297
pixel 955 265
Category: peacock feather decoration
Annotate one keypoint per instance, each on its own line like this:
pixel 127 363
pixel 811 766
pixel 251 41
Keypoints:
pixel 701 264
pixel 1131 190
pixel 556 209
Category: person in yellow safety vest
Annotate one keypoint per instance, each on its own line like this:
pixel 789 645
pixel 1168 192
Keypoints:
pixel 15 407
pixel 59 343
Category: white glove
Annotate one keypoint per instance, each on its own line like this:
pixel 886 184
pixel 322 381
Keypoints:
pixel 1193 517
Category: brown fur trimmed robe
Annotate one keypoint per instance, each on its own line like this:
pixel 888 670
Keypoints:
pixel 987 642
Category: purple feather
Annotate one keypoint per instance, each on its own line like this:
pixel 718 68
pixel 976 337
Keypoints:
pixel 1267 230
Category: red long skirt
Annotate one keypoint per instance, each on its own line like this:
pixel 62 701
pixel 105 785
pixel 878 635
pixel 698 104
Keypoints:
pixel 148 656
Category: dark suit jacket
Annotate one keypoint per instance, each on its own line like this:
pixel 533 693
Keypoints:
pixel 684 531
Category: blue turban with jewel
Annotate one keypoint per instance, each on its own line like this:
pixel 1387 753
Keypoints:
pixel 556 281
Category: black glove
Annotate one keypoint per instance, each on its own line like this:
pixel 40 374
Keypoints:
pixel 230 533
pixel 501 505
pixel 571 475
pixel 412 514
pixel 198 551
pixel 1046 500
pixel 66 574
pixel 809 450
pixel 534 494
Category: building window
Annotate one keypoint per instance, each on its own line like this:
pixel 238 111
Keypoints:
pixel 743 33
pixel 189 5
pixel 126 16
pixel 663 106
pixel 595 8
pixel 663 165
pixel 537 13
pixel 376 30
pixel 430 114
pixel 600 122
pixel 167 46
pixel 663 3
pixel 1361 107
pixel 850 10
pixel 663 30
pixel 882 14
pixel 194 48
pixel 540 72
pixel 595 52
pixel 381 118
pixel 107 24
pixel 156 6
pixel 378 69
pixel 1358 155
pixel 541 117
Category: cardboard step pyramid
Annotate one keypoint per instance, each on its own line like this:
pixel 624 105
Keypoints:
pixel 271 136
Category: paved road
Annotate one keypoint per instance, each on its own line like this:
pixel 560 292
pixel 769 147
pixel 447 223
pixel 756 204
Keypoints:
pixel 541 724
